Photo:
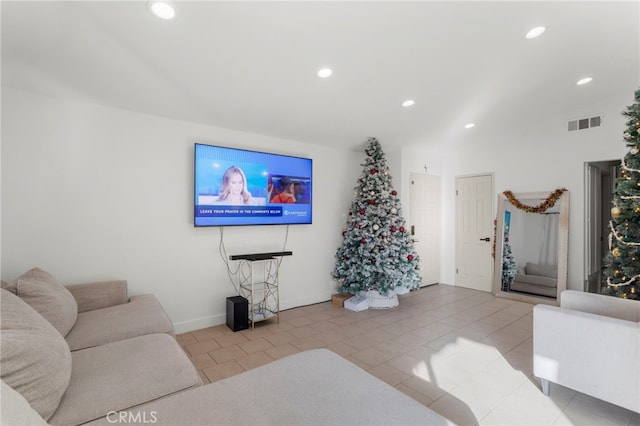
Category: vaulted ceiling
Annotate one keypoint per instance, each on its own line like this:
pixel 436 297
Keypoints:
pixel 252 66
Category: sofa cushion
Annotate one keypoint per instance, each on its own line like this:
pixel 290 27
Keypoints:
pixel 99 294
pixel 142 315
pixel 537 280
pixel 35 358
pixel 534 289
pixel 316 387
pixel 123 374
pixel 16 411
pixel 48 297
pixel 549 271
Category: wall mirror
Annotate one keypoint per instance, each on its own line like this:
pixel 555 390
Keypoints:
pixel 531 244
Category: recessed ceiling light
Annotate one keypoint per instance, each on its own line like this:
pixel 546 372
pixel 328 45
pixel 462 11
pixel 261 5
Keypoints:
pixel 408 103
pixel 535 32
pixel 584 81
pixel 470 125
pixel 325 72
pixel 162 9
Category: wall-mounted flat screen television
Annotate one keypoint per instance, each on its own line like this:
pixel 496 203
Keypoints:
pixel 240 187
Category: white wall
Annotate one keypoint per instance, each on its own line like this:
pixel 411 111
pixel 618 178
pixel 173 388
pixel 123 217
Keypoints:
pixel 543 157
pixel 91 193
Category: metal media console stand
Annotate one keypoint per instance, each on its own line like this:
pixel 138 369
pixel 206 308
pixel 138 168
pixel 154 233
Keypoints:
pixel 258 283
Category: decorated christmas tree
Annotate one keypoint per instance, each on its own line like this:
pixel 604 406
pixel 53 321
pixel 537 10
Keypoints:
pixel 377 251
pixel 509 269
pixel 622 263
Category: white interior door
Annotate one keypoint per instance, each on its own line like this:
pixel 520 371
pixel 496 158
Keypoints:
pixel 593 233
pixel 474 232
pixel 600 180
pixel 425 223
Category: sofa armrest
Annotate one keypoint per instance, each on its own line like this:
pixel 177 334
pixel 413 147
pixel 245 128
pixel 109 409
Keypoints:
pixel 598 304
pixel 98 295
pixel 592 354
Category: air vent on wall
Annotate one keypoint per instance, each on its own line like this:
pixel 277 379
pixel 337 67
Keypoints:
pixel 585 123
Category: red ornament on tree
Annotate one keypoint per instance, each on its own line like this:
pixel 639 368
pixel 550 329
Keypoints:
pixel 344 233
pixel 393 229
pixel 410 257
pixel 394 192
pixel 402 229
pixel 373 171
pixel 361 211
pixel 371 201
pixel 362 240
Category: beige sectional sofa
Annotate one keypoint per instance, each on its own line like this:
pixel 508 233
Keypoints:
pixel 77 353
pixel 88 354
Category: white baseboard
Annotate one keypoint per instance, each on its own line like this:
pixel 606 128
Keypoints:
pixel 303 301
pixel 197 324
pixel 218 319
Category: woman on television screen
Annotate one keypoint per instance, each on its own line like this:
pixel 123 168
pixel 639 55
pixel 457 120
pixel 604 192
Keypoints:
pixel 286 194
pixel 234 188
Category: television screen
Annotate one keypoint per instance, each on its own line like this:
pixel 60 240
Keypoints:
pixel 240 187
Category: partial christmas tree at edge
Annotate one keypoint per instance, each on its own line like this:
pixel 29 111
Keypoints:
pixel 622 263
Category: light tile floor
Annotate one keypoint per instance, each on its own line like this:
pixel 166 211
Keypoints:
pixel 465 354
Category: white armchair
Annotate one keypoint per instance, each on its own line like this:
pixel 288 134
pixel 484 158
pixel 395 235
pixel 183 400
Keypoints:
pixel 591 344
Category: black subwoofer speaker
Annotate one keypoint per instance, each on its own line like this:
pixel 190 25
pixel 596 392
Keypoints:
pixel 237 313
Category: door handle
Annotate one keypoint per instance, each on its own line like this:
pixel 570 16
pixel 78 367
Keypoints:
pixel 485 239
